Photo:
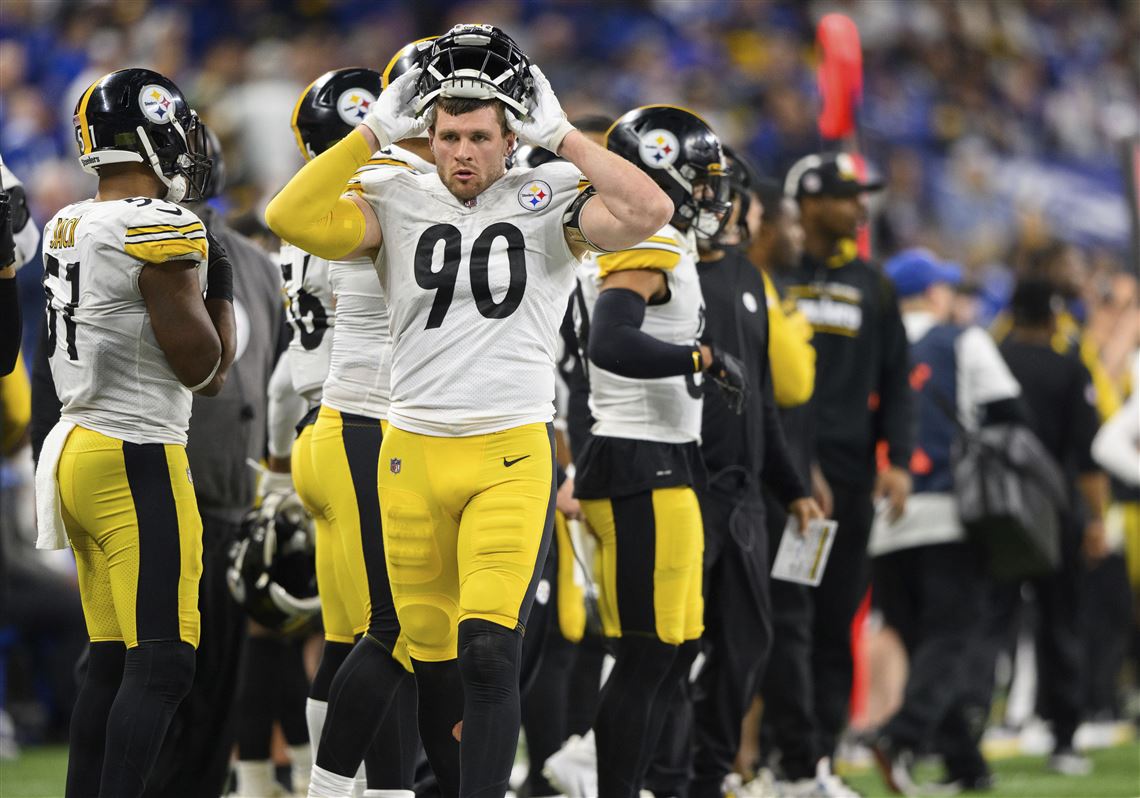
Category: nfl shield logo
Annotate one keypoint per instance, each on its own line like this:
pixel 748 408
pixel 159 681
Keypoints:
pixel 394 465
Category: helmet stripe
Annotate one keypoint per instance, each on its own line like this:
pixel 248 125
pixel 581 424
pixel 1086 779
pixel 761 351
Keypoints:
pixel 293 120
pixel 84 130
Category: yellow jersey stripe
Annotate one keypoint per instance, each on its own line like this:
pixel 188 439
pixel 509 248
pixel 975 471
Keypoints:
pixel 641 258
pixel 167 249
pixel 165 228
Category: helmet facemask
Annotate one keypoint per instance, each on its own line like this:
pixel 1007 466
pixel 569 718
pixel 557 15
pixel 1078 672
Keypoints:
pixel 185 151
pixel 709 202
pixel 478 62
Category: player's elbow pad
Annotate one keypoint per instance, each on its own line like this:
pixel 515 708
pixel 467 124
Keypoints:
pixel 618 345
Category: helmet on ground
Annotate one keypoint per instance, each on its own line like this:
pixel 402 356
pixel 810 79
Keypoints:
pixel 272 569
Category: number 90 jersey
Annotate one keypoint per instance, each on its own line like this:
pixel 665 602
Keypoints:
pixel 111 375
pixel 476 293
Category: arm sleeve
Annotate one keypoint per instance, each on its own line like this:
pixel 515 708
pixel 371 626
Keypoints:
pixel 310 211
pixel 11 325
pixel 779 470
pixel 45 401
pixel 618 345
pixel 1116 448
pixel 286 407
pixel 894 387
pixel 790 353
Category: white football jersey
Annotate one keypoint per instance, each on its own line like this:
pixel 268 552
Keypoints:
pixel 360 364
pixel 476 293
pixel 309 312
pixel 667 409
pixel 110 373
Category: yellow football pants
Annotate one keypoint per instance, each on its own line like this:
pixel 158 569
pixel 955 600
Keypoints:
pixel 466 522
pixel 132 519
pixel 652 553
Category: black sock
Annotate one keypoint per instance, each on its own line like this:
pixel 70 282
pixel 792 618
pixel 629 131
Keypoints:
pixel 390 760
pixel 291 695
pixel 333 656
pixel 544 709
pixel 668 754
pixel 157 675
pixel 88 731
pixel 622 728
pixel 259 684
pixel 489 661
pixel 440 687
pixel 359 699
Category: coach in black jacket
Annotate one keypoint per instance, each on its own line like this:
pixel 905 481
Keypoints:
pixel 861 396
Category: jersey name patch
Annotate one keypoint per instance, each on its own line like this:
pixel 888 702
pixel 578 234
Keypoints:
pixel 535 195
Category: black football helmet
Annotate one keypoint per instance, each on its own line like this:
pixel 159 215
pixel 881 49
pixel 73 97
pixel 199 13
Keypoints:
pixel 272 570
pixel 410 55
pixel 477 61
pixel 743 182
pixel 332 106
pixel 139 116
pixel 684 157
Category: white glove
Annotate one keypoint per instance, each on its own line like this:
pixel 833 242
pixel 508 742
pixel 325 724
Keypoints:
pixel 391 117
pixel 546 125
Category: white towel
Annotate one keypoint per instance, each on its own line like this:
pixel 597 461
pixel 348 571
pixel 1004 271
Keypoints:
pixel 49 517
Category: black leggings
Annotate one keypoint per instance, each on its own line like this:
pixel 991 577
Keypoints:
pixel 129 728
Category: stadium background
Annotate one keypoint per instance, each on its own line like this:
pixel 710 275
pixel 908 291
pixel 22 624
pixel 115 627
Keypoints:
pixel 998 124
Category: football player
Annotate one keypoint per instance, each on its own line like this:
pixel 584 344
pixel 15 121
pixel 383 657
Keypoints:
pixel 131 340
pixel 345 451
pixel 18 239
pixel 643 320
pixel 466 468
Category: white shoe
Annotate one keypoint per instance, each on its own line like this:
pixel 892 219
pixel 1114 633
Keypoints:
pixel 763 786
pixel 1069 762
pixel 573 769
pixel 825 785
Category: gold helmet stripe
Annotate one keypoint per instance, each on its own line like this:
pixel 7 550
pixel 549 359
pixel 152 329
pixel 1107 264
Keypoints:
pixel 392 62
pixel 293 121
pixel 81 114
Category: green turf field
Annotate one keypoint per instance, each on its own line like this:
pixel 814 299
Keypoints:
pixel 39 773
pixel 1116 774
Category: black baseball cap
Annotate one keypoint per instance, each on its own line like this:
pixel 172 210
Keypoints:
pixel 831 174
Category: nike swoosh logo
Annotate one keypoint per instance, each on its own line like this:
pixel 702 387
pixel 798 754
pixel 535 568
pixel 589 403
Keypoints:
pixel 171 211
pixel 509 463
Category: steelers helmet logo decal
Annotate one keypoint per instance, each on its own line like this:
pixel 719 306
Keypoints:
pixel 659 148
pixel 535 195
pixel 157 103
pixel 353 105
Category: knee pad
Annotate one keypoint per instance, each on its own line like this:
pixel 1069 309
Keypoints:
pixel 165 668
pixel 489 656
pixel 429 630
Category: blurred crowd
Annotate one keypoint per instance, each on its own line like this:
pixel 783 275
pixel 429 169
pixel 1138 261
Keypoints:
pixel 996 124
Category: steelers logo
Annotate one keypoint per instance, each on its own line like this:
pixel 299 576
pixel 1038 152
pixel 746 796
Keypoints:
pixel 535 195
pixel 353 105
pixel 659 148
pixel 157 103
pixel 845 164
pixel 750 302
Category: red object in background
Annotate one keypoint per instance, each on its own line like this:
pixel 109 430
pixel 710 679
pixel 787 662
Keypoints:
pixel 840 75
pixel 861 674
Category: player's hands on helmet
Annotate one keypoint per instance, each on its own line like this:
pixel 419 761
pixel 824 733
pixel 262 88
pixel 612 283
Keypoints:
pixel 391 117
pixel 546 125
pixel 729 375
pixel 7 242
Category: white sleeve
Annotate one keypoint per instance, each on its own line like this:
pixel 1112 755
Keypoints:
pixel 983 376
pixel 1116 447
pixel 286 407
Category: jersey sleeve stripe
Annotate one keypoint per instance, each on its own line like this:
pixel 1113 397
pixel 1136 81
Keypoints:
pixel 165 228
pixel 641 258
pixel 167 249
pixel 390 162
